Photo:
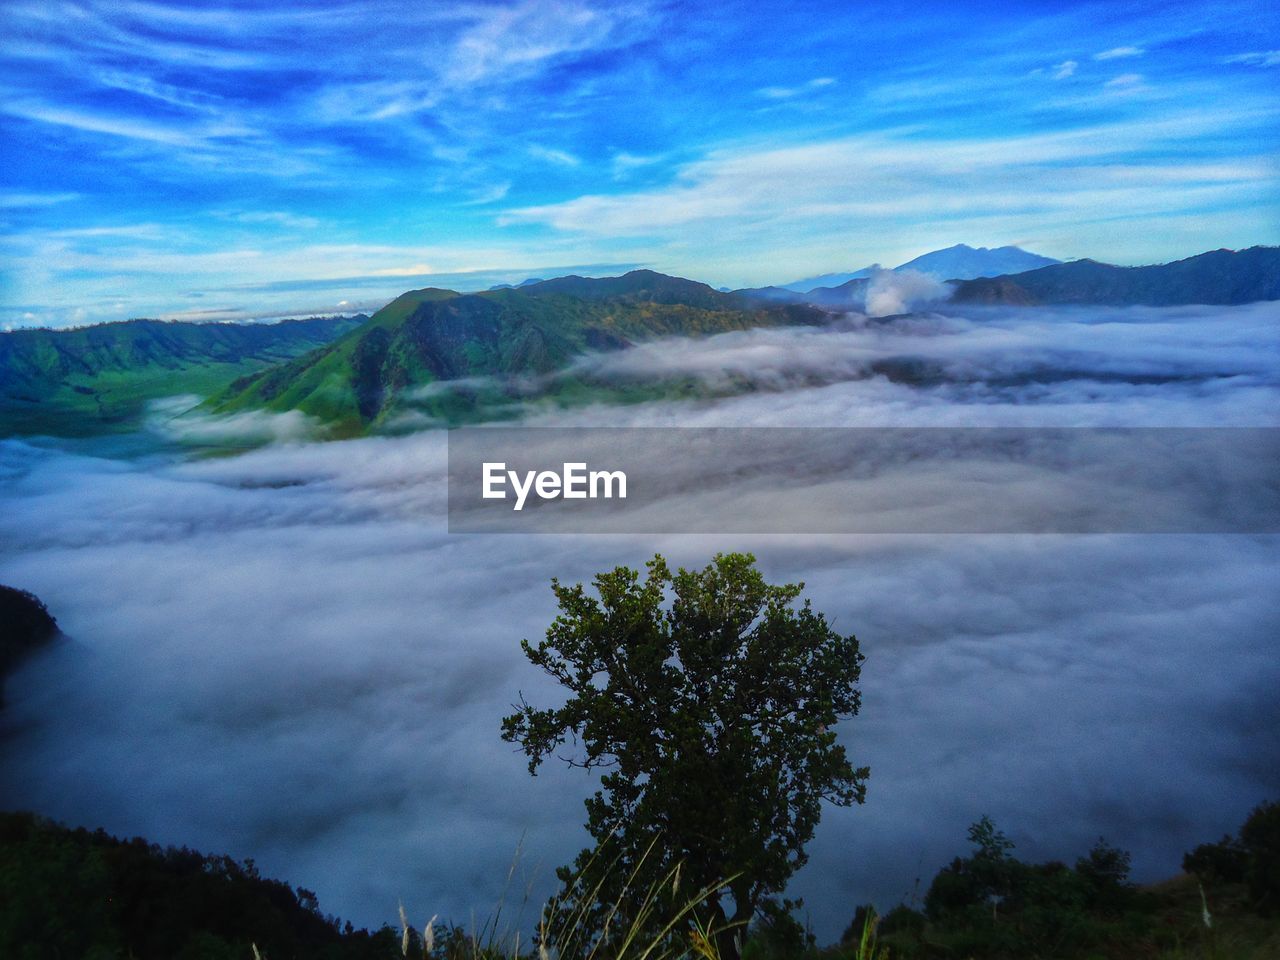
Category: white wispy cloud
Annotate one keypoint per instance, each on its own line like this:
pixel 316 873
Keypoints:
pixel 1126 81
pixel 125 127
pixel 496 46
pixel 1116 53
pixel 507 39
pixel 187 92
pixel 115 231
pixel 1259 58
pixel 623 163
pixel 928 180
pixel 786 93
pixel 159 251
pixel 491 194
pixel 280 218
pixel 561 158
pixel 215 144
pixel 14 200
pixel 170 94
pixel 172 270
pixel 1065 69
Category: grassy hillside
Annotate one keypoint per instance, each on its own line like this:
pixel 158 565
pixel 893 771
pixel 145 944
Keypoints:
pixel 386 368
pixel 84 381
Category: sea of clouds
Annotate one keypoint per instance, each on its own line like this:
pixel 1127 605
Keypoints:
pixel 283 654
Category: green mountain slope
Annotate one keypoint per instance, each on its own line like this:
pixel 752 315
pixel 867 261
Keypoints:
pixel 1217 277
pixel 638 286
pixel 84 381
pixel 386 367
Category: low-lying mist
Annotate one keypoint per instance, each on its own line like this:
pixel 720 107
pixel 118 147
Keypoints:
pixel 283 655
pixel 1120 366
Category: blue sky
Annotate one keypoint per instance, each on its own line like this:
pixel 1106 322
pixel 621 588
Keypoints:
pixel 224 160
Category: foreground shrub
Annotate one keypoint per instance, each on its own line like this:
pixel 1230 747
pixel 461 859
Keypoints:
pixel 1252 859
pixel 1260 839
pixel 1217 863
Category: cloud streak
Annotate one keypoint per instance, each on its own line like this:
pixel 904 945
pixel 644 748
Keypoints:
pixel 1258 58
pixel 755 197
pixel 1117 53
pixel 787 93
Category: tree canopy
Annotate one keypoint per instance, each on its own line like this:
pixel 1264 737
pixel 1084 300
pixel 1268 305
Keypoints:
pixel 711 698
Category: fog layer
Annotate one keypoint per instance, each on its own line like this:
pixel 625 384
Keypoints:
pixel 283 655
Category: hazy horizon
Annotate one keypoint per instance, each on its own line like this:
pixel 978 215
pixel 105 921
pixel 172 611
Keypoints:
pixel 471 283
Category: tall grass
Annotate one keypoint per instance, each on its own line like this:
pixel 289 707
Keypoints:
pixel 637 925
pixel 868 946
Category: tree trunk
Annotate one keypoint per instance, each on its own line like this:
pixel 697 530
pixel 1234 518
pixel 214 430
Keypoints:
pixel 721 935
pixel 732 932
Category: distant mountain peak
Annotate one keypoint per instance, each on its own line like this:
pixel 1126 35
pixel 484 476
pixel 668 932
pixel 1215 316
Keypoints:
pixel 963 262
pixel 528 281
pixel 957 262
pixel 829 279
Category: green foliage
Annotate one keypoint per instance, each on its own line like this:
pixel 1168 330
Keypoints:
pixel 977 883
pixel 860 916
pixel 72 893
pixel 993 904
pixel 1217 863
pixel 1260 839
pixel 1105 873
pixel 654 921
pixel 776 934
pixel 868 945
pixel 715 717
pixel 903 920
pixel 1252 859
pixel 992 845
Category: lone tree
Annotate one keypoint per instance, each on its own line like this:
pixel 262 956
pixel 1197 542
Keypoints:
pixel 715 716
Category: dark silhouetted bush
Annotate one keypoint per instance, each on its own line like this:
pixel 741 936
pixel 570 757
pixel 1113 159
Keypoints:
pixel 25 625
pixel 1213 863
pixel 1260 839
pixel 72 893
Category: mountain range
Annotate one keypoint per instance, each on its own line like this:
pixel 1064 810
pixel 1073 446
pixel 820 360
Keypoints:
pixel 364 378
pixel 1216 277
pixel 961 262
pixel 90 379
pixel 442 356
